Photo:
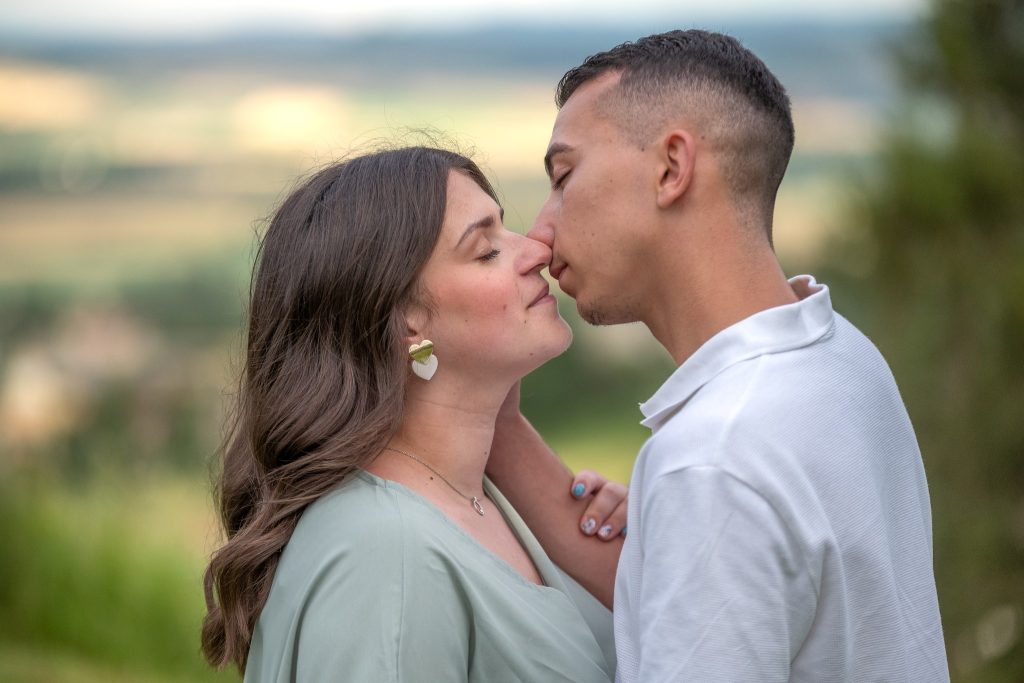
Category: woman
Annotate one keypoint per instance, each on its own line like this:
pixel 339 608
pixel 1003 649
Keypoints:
pixel 364 542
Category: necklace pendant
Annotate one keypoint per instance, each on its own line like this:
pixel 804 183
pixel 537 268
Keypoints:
pixel 477 506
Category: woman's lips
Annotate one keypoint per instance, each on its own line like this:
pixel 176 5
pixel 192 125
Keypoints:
pixel 542 297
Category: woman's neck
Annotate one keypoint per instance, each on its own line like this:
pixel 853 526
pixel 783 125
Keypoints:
pixel 451 431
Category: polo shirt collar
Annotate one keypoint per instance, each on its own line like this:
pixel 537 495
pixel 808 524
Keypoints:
pixel 773 330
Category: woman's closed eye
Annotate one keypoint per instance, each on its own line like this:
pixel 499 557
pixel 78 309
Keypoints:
pixel 560 180
pixel 490 256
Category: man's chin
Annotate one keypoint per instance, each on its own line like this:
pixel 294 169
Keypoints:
pixel 601 316
pixel 592 314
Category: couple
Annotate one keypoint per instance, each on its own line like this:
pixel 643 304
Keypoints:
pixel 779 524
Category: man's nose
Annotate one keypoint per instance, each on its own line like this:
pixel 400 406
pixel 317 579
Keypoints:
pixel 533 255
pixel 543 231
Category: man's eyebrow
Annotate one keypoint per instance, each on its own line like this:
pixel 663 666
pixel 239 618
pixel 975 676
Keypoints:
pixel 555 148
pixel 485 222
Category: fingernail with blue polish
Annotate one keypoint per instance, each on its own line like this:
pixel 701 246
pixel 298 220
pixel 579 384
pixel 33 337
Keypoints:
pixel 588 526
pixel 605 531
pixel 578 489
pixel 623 532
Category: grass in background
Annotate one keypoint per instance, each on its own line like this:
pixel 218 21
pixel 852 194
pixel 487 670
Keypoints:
pixel 100 585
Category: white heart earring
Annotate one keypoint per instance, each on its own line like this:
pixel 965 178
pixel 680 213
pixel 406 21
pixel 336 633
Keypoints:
pixel 424 362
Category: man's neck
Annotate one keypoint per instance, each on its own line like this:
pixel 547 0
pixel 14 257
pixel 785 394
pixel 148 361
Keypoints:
pixel 697 301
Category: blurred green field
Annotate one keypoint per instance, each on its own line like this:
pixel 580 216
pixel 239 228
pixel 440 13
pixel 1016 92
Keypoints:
pixel 101 583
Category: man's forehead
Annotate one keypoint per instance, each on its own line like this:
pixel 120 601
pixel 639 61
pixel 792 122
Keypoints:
pixel 586 99
pixel 581 112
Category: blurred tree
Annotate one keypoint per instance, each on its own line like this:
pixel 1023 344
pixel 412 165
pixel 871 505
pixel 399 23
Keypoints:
pixel 935 256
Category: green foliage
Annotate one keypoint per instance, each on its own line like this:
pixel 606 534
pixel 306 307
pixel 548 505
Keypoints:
pixel 936 257
pixel 28 310
pixel 581 391
pixel 203 304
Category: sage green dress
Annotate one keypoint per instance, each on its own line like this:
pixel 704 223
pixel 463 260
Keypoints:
pixel 378 585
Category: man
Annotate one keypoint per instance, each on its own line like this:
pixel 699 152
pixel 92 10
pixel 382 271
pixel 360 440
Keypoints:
pixel 779 523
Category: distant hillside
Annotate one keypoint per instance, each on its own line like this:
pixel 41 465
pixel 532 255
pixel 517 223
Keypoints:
pixel 847 61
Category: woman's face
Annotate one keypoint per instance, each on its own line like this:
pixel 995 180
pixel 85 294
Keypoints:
pixel 493 313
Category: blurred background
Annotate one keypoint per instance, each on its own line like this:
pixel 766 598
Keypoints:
pixel 143 144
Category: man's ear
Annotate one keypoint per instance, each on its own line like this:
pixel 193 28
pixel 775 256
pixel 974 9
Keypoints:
pixel 678 157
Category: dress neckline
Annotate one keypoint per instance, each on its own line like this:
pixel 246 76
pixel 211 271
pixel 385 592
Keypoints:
pixel 545 567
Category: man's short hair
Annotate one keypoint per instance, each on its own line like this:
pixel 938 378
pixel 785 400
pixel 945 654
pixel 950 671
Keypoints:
pixel 713 81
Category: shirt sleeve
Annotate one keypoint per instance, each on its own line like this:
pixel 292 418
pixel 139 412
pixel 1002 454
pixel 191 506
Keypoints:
pixel 725 592
pixel 390 610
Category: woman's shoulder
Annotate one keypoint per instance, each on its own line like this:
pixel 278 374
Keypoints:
pixel 365 536
pixel 362 513
pixel 370 528
pixel 356 578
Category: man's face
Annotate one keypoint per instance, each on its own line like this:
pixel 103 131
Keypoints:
pixel 597 218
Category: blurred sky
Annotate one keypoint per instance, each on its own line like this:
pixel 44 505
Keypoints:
pixel 201 18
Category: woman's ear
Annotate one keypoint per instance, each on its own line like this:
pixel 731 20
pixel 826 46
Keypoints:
pixel 678 157
pixel 417 320
pixel 421 349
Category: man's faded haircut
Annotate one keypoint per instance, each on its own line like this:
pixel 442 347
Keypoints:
pixel 711 80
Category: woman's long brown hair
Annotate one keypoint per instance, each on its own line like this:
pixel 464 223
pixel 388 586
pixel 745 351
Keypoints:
pixel 325 368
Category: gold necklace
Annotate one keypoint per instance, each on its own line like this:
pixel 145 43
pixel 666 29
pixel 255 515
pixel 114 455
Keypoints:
pixel 473 500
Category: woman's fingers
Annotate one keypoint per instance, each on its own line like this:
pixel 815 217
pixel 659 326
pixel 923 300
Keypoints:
pixel 586 482
pixel 605 516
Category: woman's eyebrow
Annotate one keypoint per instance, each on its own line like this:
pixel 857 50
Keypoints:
pixel 485 222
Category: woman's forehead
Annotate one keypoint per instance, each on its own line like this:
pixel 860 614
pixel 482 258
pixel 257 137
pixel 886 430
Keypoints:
pixel 467 205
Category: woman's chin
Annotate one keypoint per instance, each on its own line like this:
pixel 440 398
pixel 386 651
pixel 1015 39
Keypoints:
pixel 566 342
pixel 555 348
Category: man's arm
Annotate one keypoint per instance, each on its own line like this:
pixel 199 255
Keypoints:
pixel 537 484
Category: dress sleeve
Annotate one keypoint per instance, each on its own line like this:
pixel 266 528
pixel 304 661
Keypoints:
pixel 388 608
pixel 725 593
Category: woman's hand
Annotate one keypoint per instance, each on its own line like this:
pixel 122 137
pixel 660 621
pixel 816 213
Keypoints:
pixel 605 517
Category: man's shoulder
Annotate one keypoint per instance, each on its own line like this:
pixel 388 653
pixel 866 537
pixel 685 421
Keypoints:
pixel 780 412
pixel 835 392
pixel 778 386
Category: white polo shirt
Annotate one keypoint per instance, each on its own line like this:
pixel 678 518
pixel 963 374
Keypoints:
pixel 779 523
